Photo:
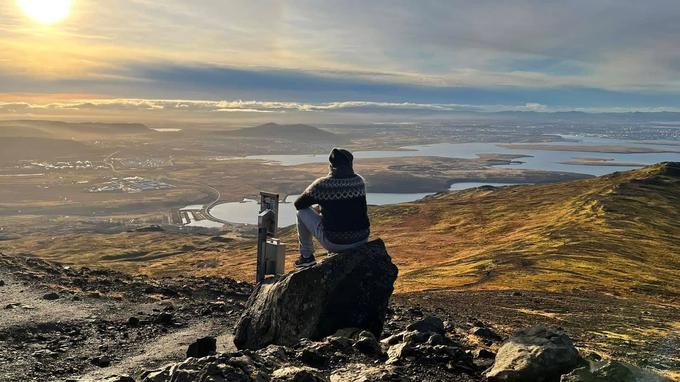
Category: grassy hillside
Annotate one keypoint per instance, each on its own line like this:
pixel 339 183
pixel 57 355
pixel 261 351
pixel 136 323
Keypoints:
pixel 618 234
pixel 615 233
pixel 599 257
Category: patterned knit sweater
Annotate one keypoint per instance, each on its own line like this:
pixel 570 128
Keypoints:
pixel 342 198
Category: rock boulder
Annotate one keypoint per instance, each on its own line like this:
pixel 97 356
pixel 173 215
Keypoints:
pixel 346 290
pixel 202 347
pixel 612 371
pixel 537 354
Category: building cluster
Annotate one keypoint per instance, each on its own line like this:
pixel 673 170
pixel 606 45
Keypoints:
pixel 62 165
pixel 131 184
pixel 145 163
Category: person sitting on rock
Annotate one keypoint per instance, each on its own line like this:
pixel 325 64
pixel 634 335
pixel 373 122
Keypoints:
pixel 333 210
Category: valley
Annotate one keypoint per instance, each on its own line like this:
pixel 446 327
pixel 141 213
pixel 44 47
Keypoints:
pixel 498 181
pixel 541 248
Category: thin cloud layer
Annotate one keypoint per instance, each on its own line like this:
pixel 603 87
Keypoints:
pixel 207 107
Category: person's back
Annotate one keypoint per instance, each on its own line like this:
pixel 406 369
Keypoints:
pixel 342 222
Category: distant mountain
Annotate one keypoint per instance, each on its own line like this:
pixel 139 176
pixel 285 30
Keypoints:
pixel 617 233
pixel 60 130
pixel 296 132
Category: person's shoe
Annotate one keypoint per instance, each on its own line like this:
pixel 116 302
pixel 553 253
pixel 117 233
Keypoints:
pixel 304 262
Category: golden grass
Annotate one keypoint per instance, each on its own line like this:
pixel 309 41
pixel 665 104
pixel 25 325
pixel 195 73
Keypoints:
pixel 618 234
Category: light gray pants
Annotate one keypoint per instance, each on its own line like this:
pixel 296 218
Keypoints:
pixel 309 226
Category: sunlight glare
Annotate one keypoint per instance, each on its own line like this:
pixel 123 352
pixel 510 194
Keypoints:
pixel 46 11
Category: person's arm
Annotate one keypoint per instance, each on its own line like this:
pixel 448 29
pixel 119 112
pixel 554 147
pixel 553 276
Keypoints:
pixel 306 200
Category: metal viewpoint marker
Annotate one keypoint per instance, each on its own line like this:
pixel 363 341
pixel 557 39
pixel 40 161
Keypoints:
pixel 270 251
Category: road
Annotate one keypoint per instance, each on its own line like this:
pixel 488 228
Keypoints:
pixel 109 162
pixel 207 207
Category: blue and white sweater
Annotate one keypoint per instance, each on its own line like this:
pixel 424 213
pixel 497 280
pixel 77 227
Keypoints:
pixel 342 198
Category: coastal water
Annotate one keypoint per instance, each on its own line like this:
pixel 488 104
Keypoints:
pixel 467 185
pixel 245 212
pixel 542 158
pixel 534 158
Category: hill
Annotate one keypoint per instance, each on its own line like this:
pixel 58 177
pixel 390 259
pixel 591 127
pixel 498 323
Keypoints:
pixel 599 257
pixel 296 132
pixel 81 130
pixel 24 148
pixel 617 233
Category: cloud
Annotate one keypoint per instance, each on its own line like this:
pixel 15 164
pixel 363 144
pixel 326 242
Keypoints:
pixel 161 80
pixel 208 109
pixel 578 54
pixel 534 106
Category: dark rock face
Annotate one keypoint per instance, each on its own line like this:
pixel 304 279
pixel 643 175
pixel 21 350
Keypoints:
pixel 485 333
pixel 427 324
pixel 202 347
pixel 133 322
pixel 347 290
pixel 368 345
pixel 51 296
pixel 537 354
pixel 164 318
pixel 149 228
pixel 103 361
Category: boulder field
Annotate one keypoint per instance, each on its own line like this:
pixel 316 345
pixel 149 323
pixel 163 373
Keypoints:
pixel 327 323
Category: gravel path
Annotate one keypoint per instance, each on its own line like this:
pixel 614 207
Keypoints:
pixel 60 324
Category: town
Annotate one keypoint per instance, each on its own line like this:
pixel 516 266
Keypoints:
pixel 130 184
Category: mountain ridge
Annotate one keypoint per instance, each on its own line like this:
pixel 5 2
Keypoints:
pixel 56 129
pixel 23 148
pixel 299 132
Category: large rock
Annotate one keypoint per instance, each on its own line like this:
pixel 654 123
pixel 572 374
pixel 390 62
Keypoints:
pixel 358 372
pixel 612 371
pixel 297 374
pixel 350 289
pixel 202 347
pixel 537 354
pixel 427 324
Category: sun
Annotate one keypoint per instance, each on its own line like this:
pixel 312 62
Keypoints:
pixel 46 11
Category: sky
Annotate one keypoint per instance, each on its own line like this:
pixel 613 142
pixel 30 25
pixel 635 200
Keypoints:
pixel 221 59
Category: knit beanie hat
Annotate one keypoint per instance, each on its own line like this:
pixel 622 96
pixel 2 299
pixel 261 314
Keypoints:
pixel 340 158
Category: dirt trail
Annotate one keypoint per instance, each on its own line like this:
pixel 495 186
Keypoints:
pixel 61 324
pixel 165 349
pixel 31 307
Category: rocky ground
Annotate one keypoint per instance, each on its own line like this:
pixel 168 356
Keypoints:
pixel 426 349
pixel 64 324
pixel 58 322
pixel 604 324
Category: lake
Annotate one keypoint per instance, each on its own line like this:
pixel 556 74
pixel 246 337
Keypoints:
pixel 245 212
pixel 467 185
pixel 537 159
